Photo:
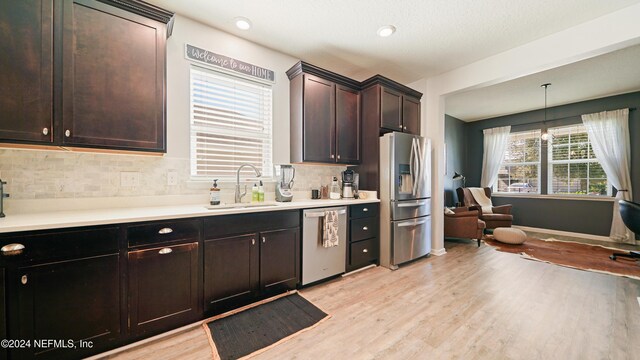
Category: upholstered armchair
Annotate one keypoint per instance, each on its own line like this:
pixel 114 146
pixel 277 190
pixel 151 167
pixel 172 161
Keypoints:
pixel 501 216
pixel 463 224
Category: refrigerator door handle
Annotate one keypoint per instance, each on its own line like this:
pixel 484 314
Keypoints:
pixel 411 223
pixel 415 204
pixel 417 165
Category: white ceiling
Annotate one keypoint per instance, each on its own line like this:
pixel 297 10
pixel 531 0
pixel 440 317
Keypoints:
pixel 433 36
pixel 610 74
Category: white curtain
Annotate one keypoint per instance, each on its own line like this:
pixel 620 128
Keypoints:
pixel 495 145
pixel 609 135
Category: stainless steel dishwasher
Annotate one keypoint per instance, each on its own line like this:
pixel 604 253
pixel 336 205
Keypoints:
pixel 319 262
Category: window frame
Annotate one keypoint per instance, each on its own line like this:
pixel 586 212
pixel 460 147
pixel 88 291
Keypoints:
pixel 267 168
pixel 538 163
pixel 568 162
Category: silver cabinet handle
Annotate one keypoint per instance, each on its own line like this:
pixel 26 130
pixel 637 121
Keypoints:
pixel 45 131
pixel 333 156
pixel 264 240
pixel 365 228
pixel 165 251
pixel 164 231
pixel 67 133
pixel 405 128
pixel 365 209
pixel 365 250
pixel 411 223
pixel 24 279
pixel 12 249
pixel 338 157
pixel 253 241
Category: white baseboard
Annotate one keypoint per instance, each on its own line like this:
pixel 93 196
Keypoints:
pixel 566 233
pixel 438 252
pixel 359 270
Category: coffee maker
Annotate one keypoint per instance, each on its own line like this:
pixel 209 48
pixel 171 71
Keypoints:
pixel 285 183
pixel 349 184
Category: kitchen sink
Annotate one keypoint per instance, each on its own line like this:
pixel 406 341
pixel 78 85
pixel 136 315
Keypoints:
pixel 239 206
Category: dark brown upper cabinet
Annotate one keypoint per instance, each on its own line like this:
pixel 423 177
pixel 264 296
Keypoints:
pixel 393 106
pixel 325 116
pixel 26 71
pixel 390 109
pixel 348 136
pixel 411 115
pixel 84 73
pixel 386 106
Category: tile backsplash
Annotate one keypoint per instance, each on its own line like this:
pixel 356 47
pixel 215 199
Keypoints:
pixel 43 174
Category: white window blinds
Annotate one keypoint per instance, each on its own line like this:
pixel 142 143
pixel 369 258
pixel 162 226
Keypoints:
pixel 231 124
pixel 573 167
pixel 520 169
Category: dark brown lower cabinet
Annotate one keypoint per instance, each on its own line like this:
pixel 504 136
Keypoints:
pixel 163 288
pixel 278 267
pixel 231 271
pixel 3 314
pixel 244 268
pixel 76 300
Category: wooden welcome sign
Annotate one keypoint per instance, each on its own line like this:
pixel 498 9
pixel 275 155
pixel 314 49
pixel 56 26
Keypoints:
pixel 210 58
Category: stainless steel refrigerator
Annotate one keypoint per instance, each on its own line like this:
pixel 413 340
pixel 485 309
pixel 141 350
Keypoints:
pixel 405 198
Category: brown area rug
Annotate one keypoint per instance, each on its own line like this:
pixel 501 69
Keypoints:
pixel 571 254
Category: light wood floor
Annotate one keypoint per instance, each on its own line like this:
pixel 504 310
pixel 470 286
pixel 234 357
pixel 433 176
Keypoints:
pixel 469 304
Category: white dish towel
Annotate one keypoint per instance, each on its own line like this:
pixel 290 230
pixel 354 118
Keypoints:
pixel 330 229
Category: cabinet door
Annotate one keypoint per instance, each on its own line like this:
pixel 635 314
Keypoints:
pixel 348 125
pixel 319 120
pixel 390 109
pixel 411 115
pixel 3 314
pixel 113 78
pixel 279 260
pixel 76 299
pixel 230 272
pixel 26 70
pixel 163 288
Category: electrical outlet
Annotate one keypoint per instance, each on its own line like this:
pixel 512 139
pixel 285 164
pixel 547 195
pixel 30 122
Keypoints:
pixel 172 178
pixel 129 178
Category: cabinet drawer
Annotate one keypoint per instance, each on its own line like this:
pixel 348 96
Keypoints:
pixel 59 245
pixel 364 228
pixel 163 232
pixel 364 210
pixel 363 251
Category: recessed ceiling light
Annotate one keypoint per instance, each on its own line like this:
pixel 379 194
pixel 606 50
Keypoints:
pixel 242 23
pixel 386 30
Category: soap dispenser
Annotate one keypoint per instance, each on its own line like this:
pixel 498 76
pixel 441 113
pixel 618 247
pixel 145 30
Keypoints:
pixel 214 194
pixel 261 192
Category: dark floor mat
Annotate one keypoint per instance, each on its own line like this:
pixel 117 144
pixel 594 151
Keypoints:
pixel 258 327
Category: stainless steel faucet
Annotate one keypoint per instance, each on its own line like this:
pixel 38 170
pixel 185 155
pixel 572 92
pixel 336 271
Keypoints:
pixel 2 196
pixel 238 195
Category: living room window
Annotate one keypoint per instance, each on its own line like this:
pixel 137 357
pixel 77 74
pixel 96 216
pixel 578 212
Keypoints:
pixel 231 124
pixel 520 169
pixel 573 167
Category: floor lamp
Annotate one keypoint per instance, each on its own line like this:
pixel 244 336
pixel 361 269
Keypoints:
pixel 457 176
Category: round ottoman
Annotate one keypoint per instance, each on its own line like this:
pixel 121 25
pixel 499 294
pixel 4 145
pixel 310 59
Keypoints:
pixel 509 235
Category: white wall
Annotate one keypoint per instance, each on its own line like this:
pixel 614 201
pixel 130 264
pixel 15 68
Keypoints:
pixel 189 31
pixel 605 34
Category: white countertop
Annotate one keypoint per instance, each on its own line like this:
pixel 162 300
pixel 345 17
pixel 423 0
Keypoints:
pixel 74 218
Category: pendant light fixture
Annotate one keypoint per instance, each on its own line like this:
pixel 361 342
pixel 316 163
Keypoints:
pixel 545 134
